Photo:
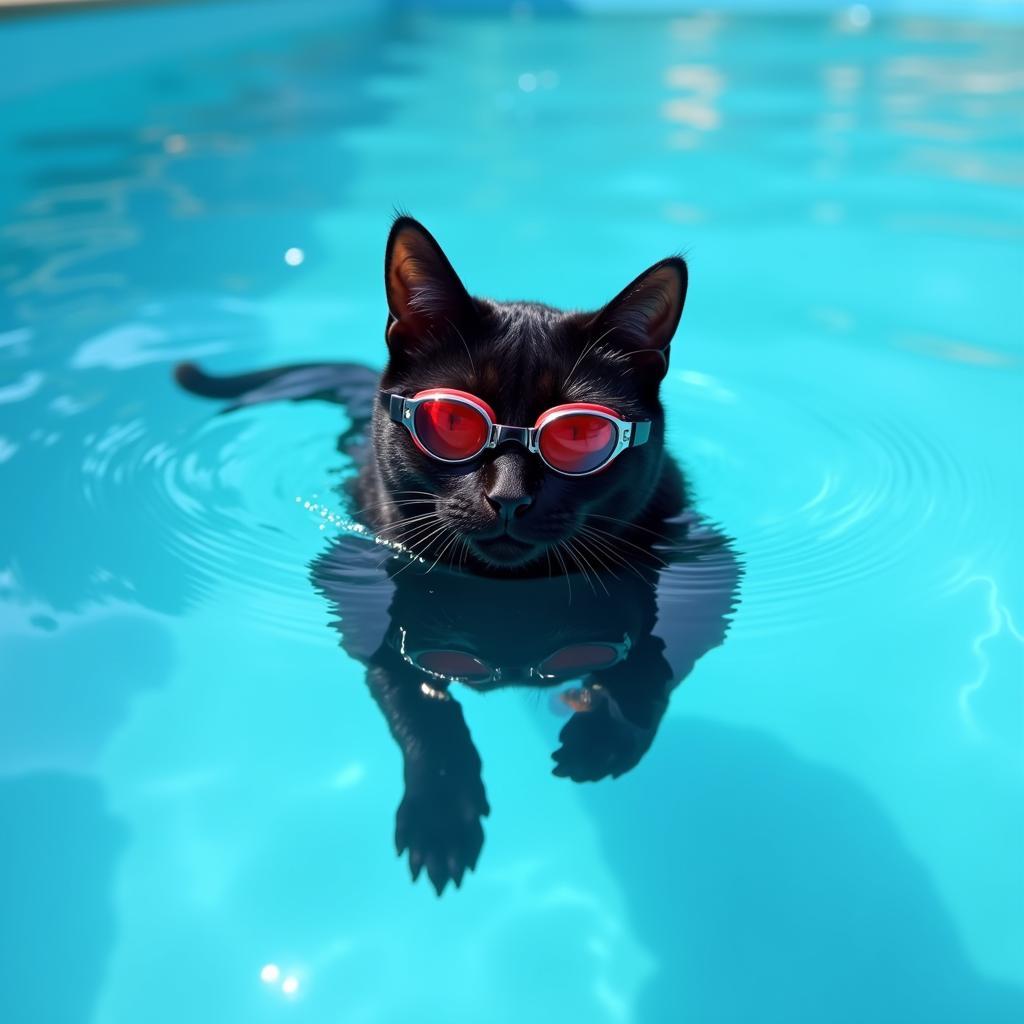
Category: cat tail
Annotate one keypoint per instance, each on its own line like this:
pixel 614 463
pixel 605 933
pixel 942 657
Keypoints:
pixel 197 381
pixel 349 384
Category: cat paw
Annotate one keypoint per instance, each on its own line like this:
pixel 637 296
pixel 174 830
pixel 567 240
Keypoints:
pixel 440 827
pixel 599 742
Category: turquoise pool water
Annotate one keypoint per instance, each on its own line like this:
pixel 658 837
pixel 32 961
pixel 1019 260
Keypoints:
pixel 197 795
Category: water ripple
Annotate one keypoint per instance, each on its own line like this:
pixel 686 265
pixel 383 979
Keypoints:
pixel 851 504
pixel 859 487
pixel 187 495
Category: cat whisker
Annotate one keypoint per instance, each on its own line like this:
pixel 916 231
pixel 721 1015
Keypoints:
pixel 403 492
pixel 411 495
pixel 454 537
pixel 409 521
pixel 415 530
pixel 609 549
pixel 418 549
pixel 405 540
pixel 565 568
pixel 633 526
pixel 583 564
pixel 636 547
pixel 583 558
pixel 408 540
pixel 566 546
pixel 443 539
pixel 589 546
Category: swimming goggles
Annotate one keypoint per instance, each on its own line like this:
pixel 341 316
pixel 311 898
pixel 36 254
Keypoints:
pixel 570 662
pixel 575 439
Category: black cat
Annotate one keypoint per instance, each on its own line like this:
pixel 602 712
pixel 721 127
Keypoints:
pixel 521 359
pixel 533 560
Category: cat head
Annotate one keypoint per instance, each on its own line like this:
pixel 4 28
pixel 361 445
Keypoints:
pixel 505 510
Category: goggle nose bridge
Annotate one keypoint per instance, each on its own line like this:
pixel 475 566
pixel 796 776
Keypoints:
pixel 526 436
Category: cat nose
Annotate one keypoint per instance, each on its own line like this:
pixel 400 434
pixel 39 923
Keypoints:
pixel 506 487
pixel 509 506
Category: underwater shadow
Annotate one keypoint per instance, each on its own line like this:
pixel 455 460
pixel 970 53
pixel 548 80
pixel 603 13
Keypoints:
pixel 772 889
pixel 56 719
pixel 57 927
pixel 61 844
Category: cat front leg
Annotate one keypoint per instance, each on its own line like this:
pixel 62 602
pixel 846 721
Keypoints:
pixel 619 710
pixel 439 818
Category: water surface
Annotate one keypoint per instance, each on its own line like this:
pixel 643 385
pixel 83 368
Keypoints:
pixel 194 783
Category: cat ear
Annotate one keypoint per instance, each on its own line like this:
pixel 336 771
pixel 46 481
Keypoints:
pixel 425 295
pixel 641 320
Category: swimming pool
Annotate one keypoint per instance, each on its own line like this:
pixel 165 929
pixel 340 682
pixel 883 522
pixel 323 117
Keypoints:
pixel 197 797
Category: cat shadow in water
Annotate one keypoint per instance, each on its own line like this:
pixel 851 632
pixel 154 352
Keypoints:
pixel 772 889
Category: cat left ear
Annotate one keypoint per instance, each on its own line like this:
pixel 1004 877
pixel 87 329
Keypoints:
pixel 643 317
pixel 425 295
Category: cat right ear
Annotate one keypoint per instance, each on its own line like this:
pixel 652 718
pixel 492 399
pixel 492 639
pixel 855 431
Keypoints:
pixel 425 295
pixel 643 317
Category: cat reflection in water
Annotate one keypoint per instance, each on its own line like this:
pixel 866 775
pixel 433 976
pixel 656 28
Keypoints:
pixel 515 454
pixel 627 638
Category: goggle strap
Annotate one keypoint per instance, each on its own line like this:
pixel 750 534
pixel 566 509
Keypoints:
pixel 639 433
pixel 394 405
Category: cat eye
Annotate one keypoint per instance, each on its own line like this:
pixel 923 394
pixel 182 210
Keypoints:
pixel 575 440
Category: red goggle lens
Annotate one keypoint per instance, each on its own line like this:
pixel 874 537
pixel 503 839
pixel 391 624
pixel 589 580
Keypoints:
pixel 578 660
pixel 579 442
pixel 454 665
pixel 450 430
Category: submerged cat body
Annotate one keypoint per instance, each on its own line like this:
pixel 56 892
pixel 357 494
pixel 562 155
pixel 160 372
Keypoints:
pixel 625 638
pixel 512 573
